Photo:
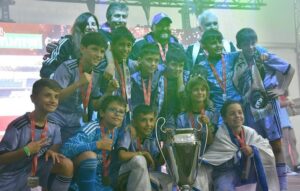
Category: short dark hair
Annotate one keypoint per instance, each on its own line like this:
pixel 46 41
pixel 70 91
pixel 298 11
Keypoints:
pixel 121 33
pixel 149 48
pixel 142 109
pixel 44 82
pixel 106 101
pixel 94 38
pixel 225 106
pixel 210 35
pixel 245 35
pixel 82 21
pixel 115 6
pixel 175 53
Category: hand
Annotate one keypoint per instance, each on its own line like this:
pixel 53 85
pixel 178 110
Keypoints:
pixel 85 79
pixel 204 119
pixel 273 93
pixel 105 144
pixel 113 85
pixel 264 57
pixel 149 159
pixel 110 68
pixel 54 155
pixel 35 146
pixel 247 150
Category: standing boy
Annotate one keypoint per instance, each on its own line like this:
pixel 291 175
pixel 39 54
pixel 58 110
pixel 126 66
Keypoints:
pixel 29 147
pixel 75 77
pixel 145 80
pixel 254 77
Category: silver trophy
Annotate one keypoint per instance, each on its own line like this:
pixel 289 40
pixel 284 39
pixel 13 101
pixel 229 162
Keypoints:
pixel 181 153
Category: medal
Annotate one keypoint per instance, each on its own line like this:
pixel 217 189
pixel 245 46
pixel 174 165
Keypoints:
pixel 32 181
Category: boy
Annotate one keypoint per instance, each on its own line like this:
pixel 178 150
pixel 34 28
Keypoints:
pixel 217 69
pixel 171 83
pixel 76 80
pixel 136 151
pixel 120 82
pixel 145 80
pixel 89 148
pixel 28 148
pixel 255 79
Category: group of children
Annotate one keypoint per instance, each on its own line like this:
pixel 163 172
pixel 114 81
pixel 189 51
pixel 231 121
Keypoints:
pixel 92 127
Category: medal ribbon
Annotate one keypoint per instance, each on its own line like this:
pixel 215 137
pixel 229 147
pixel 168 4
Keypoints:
pixel 106 159
pixel 43 135
pixel 221 83
pixel 192 120
pixel 85 96
pixel 147 92
pixel 163 53
pixel 241 138
pixel 123 86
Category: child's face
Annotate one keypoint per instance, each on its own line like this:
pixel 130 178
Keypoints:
pixel 234 116
pixel 148 63
pixel 46 100
pixel 121 49
pixel 144 124
pixel 92 54
pixel 199 94
pixel 114 114
pixel 174 69
pixel 248 48
pixel 214 47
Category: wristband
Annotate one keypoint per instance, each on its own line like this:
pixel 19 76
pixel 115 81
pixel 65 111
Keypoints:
pixel 26 151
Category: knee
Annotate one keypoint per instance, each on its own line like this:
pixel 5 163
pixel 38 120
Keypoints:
pixel 276 146
pixel 84 156
pixel 139 162
pixel 67 167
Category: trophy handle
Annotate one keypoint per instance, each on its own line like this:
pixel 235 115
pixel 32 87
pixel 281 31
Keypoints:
pixel 161 127
pixel 200 124
pixel 158 143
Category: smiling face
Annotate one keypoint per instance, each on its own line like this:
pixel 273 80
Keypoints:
pixel 118 19
pixel 162 30
pixel 198 94
pixel 46 100
pixel 91 25
pixel 214 47
pixel 234 117
pixel 92 55
pixel 121 49
pixel 113 115
pixel 144 124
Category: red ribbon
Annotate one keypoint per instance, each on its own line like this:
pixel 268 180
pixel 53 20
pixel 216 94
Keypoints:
pixel 147 92
pixel 221 83
pixel 43 135
pixel 163 53
pixel 106 159
pixel 123 86
pixel 85 96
